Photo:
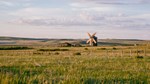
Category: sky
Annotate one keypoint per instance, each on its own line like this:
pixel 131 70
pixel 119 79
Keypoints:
pixel 72 19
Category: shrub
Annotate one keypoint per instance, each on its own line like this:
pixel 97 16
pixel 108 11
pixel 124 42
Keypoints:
pixel 56 53
pixel 140 57
pixel 64 49
pixel 114 48
pixel 77 53
pixel 101 48
pixel 53 50
pixel 85 48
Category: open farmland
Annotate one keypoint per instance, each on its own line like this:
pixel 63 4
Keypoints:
pixel 36 64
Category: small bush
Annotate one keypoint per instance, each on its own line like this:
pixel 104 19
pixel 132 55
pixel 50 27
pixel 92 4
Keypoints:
pixel 139 51
pixel 101 48
pixel 64 49
pixel 56 53
pixel 140 57
pixel 114 48
pixel 85 48
pixel 77 53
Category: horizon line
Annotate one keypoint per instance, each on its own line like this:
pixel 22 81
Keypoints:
pixel 68 38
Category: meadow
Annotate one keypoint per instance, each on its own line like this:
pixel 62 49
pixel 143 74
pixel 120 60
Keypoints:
pixel 75 65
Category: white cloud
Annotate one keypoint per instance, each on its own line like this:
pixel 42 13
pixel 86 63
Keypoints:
pixel 114 21
pixel 76 5
pixel 86 16
pixel 17 0
pixel 33 12
pixel 114 2
pixel 100 15
pixel 6 3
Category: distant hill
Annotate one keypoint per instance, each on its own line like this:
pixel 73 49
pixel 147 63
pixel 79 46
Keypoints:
pixel 19 38
pixel 45 41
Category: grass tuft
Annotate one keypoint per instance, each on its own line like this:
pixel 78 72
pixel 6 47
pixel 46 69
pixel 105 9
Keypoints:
pixel 140 57
pixel 77 53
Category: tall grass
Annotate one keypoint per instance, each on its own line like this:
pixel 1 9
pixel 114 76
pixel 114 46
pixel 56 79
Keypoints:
pixel 91 67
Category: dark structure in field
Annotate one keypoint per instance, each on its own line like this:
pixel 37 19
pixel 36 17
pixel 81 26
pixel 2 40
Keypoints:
pixel 92 40
pixel 66 44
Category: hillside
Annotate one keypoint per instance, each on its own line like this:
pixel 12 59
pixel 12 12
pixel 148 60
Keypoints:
pixel 44 41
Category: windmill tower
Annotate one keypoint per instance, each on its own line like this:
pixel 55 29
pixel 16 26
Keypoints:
pixel 92 40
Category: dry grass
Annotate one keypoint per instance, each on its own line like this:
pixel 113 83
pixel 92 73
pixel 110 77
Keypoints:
pixel 93 65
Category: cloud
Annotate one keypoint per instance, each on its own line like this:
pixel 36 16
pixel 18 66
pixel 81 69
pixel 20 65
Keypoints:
pixel 86 15
pixel 114 2
pixel 17 0
pixel 50 16
pixel 36 12
pixel 143 1
pixel 109 21
pixel 99 9
pixel 5 3
pixel 14 4
pixel 57 21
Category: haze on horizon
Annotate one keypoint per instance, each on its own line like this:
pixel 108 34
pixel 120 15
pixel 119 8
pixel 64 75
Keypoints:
pixel 124 19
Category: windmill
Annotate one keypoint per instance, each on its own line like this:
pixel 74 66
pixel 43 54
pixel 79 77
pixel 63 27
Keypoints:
pixel 92 40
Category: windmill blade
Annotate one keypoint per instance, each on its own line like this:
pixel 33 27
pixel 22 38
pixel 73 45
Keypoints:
pixel 89 35
pixel 88 41
pixel 91 42
pixel 94 34
pixel 94 40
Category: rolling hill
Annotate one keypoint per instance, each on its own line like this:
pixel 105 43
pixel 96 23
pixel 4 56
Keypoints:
pixel 45 41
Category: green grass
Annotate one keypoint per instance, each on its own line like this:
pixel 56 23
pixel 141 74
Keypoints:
pixel 14 48
pixel 92 66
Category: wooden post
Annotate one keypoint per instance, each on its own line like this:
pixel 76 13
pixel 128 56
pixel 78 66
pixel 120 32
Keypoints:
pixel 145 52
pixel 112 53
pixel 137 53
pixel 107 53
pixel 121 52
pixel 130 52
pixel 147 45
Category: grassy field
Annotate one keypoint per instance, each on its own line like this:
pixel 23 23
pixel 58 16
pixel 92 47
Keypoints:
pixel 75 65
